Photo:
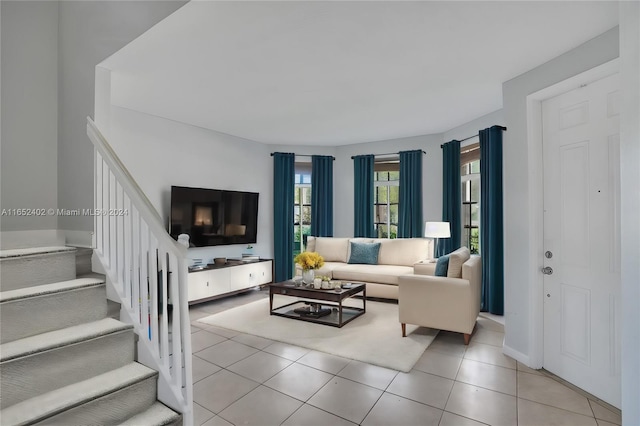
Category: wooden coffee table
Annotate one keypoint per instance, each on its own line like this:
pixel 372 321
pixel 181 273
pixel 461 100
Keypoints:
pixel 325 299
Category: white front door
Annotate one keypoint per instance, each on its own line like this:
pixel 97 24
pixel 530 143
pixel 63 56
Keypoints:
pixel 581 154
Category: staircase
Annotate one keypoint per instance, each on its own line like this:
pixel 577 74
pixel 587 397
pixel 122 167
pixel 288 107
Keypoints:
pixel 62 359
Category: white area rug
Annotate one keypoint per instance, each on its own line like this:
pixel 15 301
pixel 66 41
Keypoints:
pixel 374 337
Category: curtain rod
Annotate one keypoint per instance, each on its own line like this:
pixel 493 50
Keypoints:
pixel 309 155
pixel 473 136
pixel 388 153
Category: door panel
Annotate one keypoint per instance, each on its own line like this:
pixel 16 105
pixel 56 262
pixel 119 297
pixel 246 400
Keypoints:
pixel 582 230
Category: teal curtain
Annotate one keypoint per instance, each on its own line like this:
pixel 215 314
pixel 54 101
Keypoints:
pixel 363 196
pixel 322 196
pixel 283 187
pixel 410 204
pixel 451 197
pixel 491 223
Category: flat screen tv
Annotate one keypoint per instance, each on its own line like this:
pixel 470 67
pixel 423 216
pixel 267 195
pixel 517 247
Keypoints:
pixel 213 217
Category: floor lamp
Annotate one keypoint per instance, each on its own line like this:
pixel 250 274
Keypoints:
pixel 436 230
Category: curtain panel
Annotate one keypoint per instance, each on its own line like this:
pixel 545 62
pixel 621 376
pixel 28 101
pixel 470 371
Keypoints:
pixel 491 220
pixel 283 237
pixel 410 204
pixel 322 196
pixel 451 197
pixel 363 196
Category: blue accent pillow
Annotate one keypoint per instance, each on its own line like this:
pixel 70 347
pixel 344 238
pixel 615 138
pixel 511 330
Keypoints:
pixel 365 253
pixel 442 265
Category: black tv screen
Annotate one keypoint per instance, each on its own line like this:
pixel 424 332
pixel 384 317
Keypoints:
pixel 213 217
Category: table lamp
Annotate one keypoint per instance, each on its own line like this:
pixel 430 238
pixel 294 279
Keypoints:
pixel 436 230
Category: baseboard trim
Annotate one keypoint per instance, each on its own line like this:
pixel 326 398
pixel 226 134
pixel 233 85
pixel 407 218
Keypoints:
pixel 31 238
pixel 74 238
pixel 518 356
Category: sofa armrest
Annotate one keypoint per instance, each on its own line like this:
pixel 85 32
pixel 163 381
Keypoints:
pixel 425 267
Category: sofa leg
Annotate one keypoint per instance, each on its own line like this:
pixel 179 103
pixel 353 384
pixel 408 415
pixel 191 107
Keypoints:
pixel 467 338
pixel 404 329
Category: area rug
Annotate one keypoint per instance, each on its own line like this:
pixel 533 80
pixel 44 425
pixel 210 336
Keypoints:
pixel 374 337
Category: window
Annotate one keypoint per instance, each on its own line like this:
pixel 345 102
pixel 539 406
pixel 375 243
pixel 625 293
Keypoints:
pixel 302 207
pixel 470 179
pixel 385 197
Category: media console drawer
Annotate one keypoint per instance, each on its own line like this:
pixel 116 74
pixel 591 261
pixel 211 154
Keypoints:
pixel 219 281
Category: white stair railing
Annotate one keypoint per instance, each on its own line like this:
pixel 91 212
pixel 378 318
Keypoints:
pixel 146 269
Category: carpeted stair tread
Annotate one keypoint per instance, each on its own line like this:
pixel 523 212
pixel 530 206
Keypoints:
pixel 59 338
pixel 59 400
pixel 156 415
pixel 45 289
pixel 33 251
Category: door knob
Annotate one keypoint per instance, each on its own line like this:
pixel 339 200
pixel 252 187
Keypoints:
pixel 548 254
pixel 547 270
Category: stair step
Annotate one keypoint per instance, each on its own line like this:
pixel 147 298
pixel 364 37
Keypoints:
pixel 156 415
pixel 108 398
pixel 21 268
pixel 34 310
pixel 47 361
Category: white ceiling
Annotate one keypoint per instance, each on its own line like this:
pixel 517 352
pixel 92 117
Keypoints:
pixel 334 73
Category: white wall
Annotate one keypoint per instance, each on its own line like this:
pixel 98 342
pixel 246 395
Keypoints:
pixel 29 170
pixel 90 31
pixel 630 203
pixel 160 153
pixel 343 177
pixel 519 261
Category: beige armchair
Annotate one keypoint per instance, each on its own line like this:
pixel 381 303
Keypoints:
pixel 443 303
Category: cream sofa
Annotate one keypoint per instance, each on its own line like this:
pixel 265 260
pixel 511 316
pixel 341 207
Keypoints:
pixel 396 258
pixel 446 303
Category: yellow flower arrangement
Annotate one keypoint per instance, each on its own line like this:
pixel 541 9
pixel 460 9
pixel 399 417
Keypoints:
pixel 309 260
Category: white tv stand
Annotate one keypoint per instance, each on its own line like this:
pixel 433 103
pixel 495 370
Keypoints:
pixel 214 281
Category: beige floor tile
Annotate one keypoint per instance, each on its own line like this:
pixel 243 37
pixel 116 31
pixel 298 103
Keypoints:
pixel 488 324
pixel 308 415
pixel 488 337
pixel 398 411
pixel 226 353
pixel 367 374
pixel 533 414
pixel 325 362
pixel 450 419
pixel 422 387
pixel 547 391
pixel 203 339
pixel 440 364
pixel 220 331
pixel 221 389
pixel 261 407
pixel 483 405
pixel 217 421
pixel 260 366
pixel 603 413
pixel 521 367
pixel 489 354
pixel 346 399
pixel 201 368
pixel 499 379
pixel 284 350
pixel 604 423
pixel 299 381
pixel 448 346
pixel 253 341
pixel 201 414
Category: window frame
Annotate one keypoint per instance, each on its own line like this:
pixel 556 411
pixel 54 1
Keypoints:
pixel 472 144
pixel 385 166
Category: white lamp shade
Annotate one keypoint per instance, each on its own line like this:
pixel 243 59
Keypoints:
pixel 437 230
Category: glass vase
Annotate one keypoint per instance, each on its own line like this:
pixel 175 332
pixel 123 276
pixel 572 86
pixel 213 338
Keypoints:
pixel 308 276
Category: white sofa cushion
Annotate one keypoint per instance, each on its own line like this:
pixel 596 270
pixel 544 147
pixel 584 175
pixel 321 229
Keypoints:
pixel 456 259
pixel 384 274
pixel 332 249
pixel 402 251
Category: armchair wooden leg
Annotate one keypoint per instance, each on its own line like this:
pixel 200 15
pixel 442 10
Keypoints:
pixel 467 338
pixel 404 329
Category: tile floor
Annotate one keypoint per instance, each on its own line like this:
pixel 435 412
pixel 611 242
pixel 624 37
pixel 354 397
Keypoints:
pixel 241 379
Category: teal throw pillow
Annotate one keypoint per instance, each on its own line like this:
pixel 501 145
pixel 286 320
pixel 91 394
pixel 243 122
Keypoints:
pixel 442 265
pixel 366 253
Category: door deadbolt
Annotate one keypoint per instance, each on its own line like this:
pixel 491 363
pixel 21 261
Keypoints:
pixel 547 270
pixel 548 254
